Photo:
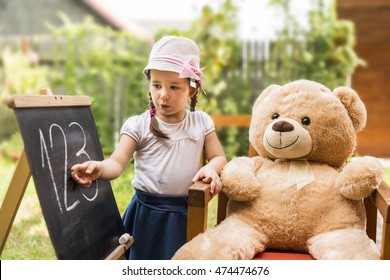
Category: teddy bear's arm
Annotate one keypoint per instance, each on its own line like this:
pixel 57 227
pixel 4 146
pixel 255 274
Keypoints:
pixel 360 177
pixel 239 180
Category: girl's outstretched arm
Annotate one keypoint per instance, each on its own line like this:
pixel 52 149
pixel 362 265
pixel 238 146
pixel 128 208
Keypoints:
pixel 111 168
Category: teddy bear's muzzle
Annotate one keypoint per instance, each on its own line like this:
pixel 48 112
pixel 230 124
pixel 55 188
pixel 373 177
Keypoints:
pixel 285 138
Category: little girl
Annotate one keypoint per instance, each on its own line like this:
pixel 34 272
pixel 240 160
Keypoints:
pixel 167 143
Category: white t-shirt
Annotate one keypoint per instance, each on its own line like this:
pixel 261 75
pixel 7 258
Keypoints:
pixel 167 166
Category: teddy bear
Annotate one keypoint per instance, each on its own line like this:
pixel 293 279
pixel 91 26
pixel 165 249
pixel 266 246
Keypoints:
pixel 304 190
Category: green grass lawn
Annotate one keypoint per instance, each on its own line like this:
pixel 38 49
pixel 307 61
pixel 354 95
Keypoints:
pixel 29 238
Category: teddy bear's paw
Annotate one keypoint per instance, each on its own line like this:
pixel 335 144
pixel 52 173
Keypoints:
pixel 239 181
pixel 231 240
pixel 359 178
pixel 344 244
pixel 249 246
pixel 244 241
pixel 244 193
pixel 201 247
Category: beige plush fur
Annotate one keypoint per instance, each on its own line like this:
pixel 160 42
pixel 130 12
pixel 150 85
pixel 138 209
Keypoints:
pixel 299 192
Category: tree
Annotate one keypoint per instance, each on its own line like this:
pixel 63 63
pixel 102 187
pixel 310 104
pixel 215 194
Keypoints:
pixel 323 51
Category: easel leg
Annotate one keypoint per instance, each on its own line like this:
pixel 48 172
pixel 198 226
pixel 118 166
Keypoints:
pixel 13 198
pixel 119 252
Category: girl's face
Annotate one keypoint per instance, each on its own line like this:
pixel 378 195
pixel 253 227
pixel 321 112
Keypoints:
pixel 169 94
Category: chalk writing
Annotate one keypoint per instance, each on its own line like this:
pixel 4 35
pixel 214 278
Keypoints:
pixel 45 158
pixel 83 223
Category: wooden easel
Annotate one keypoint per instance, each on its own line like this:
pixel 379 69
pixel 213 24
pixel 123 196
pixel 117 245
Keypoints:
pixel 13 198
pixel 22 175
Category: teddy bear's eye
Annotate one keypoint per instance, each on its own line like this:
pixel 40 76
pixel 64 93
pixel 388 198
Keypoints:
pixel 306 121
pixel 275 116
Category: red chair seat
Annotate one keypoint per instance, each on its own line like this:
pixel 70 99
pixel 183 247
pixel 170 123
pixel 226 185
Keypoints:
pixel 282 255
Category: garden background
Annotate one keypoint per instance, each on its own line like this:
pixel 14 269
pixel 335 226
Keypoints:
pixel 86 58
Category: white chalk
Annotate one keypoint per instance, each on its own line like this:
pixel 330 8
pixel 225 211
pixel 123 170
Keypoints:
pixel 124 238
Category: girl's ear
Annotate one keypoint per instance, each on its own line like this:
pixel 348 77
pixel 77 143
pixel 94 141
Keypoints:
pixel 194 91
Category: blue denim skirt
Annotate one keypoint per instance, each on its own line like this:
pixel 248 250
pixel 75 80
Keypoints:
pixel 158 224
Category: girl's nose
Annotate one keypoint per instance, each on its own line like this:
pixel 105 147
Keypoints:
pixel 164 94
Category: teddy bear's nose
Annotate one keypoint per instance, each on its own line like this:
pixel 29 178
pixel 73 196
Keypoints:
pixel 282 126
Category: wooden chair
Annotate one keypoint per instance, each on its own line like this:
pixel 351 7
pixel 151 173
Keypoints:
pixel 199 198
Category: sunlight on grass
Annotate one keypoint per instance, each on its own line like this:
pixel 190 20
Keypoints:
pixel 28 237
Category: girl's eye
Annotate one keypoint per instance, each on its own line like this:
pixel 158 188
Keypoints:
pixel 174 87
pixel 156 86
pixel 275 116
pixel 306 121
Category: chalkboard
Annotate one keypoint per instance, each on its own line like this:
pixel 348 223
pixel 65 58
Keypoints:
pixel 83 223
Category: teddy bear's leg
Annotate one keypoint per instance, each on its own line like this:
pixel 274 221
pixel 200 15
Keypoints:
pixel 232 239
pixel 344 244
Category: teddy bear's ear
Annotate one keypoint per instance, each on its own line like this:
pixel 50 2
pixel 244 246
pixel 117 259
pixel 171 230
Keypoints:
pixel 355 107
pixel 265 93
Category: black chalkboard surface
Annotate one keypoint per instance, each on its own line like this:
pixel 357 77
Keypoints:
pixel 83 223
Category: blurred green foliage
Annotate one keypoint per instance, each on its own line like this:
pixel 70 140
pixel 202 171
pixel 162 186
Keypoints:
pixel 105 64
pixel 323 51
pixel 88 59
pixel 19 74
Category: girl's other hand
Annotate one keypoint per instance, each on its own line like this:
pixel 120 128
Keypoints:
pixel 209 176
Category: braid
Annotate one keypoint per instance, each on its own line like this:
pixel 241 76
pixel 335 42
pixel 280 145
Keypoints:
pixel 194 100
pixel 151 104
pixel 153 121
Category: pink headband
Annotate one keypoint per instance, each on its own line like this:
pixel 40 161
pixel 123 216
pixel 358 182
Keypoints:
pixel 189 68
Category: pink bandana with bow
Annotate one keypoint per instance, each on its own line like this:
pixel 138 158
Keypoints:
pixel 189 68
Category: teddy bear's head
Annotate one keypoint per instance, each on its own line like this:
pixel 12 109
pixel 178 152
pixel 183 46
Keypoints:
pixel 304 119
